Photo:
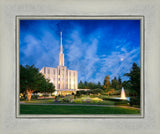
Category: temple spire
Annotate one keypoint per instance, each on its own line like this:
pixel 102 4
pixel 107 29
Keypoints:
pixel 61 44
pixel 61 55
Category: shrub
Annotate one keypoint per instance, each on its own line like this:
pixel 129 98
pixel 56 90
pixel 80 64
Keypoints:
pixel 22 98
pixel 96 100
pixel 122 102
pixel 97 91
pixel 77 101
pixel 116 92
pixel 46 95
pixel 68 98
pixel 34 96
pixel 135 101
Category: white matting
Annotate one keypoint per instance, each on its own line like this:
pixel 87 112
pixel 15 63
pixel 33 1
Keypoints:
pixel 9 124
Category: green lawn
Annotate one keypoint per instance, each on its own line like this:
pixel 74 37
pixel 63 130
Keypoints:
pixel 61 109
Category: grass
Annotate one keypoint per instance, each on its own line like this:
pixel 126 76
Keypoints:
pixel 64 109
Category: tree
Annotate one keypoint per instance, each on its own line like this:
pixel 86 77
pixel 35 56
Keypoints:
pixel 115 83
pixel 111 91
pixel 126 84
pixel 81 85
pixel 106 83
pixel 33 81
pixel 99 85
pixel 46 86
pixel 91 85
pixel 50 87
pixel 134 78
pixel 86 84
pixel 119 82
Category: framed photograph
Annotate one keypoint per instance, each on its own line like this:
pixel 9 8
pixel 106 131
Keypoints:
pixel 99 63
pixel 79 67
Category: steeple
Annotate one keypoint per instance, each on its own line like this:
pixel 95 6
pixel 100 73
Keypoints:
pixel 61 51
pixel 61 55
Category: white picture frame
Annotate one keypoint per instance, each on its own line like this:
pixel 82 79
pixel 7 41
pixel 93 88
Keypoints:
pixel 9 123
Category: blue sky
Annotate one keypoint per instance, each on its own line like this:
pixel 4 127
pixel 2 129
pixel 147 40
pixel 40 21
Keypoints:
pixel 95 48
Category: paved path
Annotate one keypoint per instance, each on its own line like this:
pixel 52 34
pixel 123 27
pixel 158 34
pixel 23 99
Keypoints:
pixel 78 105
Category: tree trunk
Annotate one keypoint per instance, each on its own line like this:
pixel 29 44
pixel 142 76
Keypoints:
pixel 29 94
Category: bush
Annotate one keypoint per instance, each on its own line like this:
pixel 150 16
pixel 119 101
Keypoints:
pixel 132 93
pixel 87 100
pixel 89 92
pixel 116 92
pixel 135 101
pixel 34 96
pixel 22 98
pixel 77 101
pixel 96 91
pixel 96 100
pixel 122 102
pixel 79 93
pixel 68 98
pixel 46 95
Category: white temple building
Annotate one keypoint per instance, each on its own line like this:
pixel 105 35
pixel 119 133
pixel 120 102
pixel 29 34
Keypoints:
pixel 65 81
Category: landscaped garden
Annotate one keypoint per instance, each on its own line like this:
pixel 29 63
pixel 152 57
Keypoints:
pixel 107 98
pixel 84 104
pixel 71 99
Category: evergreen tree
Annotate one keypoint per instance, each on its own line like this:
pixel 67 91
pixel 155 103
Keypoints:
pixel 119 82
pixel 115 83
pixel 86 84
pixel 99 85
pixel 91 85
pixel 126 84
pixel 81 85
pixel 134 78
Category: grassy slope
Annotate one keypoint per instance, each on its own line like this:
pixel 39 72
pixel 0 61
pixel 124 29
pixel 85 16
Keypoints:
pixel 57 109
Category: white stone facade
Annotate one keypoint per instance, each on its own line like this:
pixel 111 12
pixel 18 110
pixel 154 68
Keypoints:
pixel 61 77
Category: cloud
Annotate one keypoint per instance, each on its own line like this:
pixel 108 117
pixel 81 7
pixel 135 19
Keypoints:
pixel 82 56
pixel 94 52
pixel 113 65
pixel 42 52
